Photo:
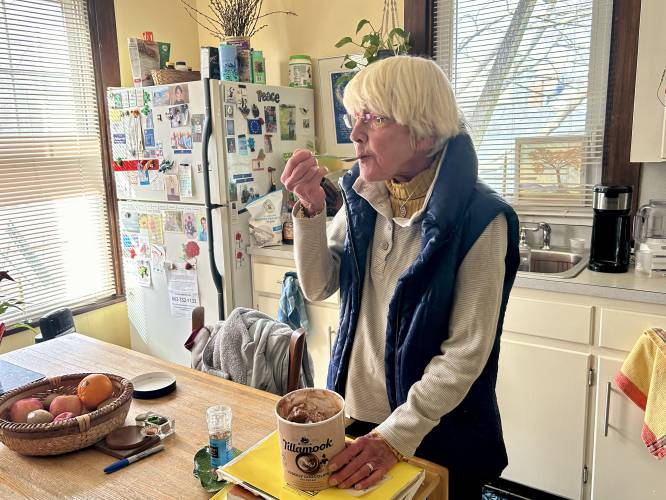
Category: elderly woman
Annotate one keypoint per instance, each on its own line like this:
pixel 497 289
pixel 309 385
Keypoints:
pixel 424 256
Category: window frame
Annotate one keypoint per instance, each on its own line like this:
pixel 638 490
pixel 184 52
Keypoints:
pixel 106 68
pixel 616 167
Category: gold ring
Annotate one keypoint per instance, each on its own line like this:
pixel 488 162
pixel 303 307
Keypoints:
pixel 369 465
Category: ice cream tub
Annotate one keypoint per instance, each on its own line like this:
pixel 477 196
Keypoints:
pixel 311 431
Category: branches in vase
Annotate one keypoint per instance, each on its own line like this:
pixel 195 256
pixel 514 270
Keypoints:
pixel 231 18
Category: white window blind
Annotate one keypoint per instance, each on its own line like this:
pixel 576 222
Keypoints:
pixel 530 77
pixel 54 237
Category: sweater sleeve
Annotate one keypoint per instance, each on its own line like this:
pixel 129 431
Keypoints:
pixel 317 252
pixel 473 324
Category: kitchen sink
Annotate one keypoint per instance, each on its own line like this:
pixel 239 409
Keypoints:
pixel 556 262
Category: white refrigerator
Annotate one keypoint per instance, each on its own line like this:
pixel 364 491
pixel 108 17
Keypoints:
pixel 188 157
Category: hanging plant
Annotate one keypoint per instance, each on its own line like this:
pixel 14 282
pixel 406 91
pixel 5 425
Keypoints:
pixel 376 44
pixel 231 18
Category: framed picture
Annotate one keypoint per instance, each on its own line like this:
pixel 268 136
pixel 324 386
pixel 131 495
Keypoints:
pixel 333 78
pixel 550 169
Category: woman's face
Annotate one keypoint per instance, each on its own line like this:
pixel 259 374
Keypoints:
pixel 384 150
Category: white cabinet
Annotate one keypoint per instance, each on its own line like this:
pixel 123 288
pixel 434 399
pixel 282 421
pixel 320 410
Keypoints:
pixel 648 141
pixel 622 469
pixel 267 277
pixel 542 393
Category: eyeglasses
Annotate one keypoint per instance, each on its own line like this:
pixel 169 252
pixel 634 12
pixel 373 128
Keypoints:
pixel 375 121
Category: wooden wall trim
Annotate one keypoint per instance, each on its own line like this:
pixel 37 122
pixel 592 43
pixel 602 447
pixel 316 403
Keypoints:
pixel 617 167
pixel 104 43
pixel 419 22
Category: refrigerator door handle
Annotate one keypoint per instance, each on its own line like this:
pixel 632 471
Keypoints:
pixel 205 139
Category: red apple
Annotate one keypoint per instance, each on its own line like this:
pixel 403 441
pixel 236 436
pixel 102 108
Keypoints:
pixel 63 404
pixel 19 410
pixel 63 416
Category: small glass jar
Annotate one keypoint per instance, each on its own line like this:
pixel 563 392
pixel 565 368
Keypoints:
pixel 181 66
pixel 219 434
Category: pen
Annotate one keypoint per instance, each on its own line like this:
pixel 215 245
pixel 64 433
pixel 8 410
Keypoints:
pixel 129 460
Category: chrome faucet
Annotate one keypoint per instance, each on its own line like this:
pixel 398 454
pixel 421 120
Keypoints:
pixel 541 226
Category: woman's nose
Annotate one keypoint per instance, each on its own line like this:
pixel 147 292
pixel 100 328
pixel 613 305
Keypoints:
pixel 358 132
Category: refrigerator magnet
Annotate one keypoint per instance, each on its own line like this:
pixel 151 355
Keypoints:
pixel 270 119
pixel 255 111
pixel 179 94
pixel 229 111
pixel 230 94
pixel 251 144
pixel 306 123
pixel 254 126
pixel 231 145
pixel 189 225
pixel 242 145
pixel 173 221
pixel 268 143
pixel 287 122
pixel 161 96
pixel 231 129
pixel 185 177
pixel 172 187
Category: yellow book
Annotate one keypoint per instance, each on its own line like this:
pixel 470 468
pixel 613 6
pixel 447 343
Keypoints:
pixel 259 470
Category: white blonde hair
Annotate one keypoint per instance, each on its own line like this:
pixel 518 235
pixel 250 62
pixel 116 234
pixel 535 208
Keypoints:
pixel 413 91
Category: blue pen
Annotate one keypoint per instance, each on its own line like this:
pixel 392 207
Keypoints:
pixel 129 460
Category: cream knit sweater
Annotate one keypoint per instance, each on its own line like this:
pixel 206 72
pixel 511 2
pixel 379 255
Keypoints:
pixel 396 244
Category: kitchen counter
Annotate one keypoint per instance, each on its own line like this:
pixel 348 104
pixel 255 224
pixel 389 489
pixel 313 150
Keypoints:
pixel 632 286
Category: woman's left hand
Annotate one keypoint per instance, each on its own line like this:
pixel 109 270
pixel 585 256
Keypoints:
pixel 362 463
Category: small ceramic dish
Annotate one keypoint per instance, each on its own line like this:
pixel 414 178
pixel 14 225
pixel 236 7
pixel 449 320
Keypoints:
pixel 153 385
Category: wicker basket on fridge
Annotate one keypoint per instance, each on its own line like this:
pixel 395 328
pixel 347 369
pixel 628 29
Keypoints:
pixel 167 76
pixel 68 435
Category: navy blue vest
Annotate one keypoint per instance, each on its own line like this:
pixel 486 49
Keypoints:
pixel 469 438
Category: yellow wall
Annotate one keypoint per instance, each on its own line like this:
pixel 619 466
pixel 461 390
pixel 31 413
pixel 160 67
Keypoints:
pixel 108 323
pixel 167 20
pixel 318 25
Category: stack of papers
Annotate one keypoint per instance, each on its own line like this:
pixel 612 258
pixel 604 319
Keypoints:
pixel 259 470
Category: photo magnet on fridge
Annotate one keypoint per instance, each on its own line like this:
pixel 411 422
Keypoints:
pixel 270 119
pixel 197 127
pixel 242 145
pixel 179 94
pixel 287 122
pixel 179 115
pixel 229 111
pixel 231 130
pixel 161 96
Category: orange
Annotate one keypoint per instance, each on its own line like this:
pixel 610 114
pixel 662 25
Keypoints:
pixel 93 389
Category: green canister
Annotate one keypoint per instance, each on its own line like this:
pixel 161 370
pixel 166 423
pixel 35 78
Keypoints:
pixel 300 71
pixel 258 67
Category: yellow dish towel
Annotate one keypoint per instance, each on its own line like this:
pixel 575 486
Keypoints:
pixel 643 379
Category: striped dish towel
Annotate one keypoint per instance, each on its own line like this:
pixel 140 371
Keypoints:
pixel 643 379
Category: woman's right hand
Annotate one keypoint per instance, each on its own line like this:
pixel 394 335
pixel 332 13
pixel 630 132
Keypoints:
pixel 302 176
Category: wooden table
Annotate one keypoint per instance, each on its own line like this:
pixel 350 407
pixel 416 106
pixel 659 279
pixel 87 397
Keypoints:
pixel 165 475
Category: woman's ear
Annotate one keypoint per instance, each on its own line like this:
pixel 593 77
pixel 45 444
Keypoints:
pixel 425 144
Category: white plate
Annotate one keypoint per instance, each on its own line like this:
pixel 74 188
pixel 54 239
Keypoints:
pixel 153 385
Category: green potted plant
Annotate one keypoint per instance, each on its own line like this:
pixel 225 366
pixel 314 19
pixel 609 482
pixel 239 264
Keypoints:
pixel 6 304
pixel 376 44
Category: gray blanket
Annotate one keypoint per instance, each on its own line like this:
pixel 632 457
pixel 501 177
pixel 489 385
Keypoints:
pixel 250 348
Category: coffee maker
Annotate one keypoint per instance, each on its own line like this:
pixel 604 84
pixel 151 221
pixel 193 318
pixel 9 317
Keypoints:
pixel 609 250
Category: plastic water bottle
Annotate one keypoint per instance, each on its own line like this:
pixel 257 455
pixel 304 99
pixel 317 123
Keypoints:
pixel 219 434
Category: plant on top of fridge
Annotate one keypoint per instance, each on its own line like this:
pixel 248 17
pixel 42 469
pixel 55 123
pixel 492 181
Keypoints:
pixel 231 18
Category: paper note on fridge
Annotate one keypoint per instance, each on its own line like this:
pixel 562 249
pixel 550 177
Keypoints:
pixel 183 292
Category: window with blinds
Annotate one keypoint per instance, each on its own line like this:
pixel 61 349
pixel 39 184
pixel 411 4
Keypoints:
pixel 530 77
pixel 54 237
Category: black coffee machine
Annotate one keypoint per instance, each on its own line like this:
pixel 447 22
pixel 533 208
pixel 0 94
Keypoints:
pixel 609 251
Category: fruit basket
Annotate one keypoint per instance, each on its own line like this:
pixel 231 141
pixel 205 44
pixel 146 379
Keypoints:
pixel 54 438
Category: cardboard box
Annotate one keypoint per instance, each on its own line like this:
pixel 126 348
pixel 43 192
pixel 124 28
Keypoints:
pixel 146 56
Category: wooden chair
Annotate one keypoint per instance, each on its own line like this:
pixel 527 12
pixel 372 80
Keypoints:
pixel 296 348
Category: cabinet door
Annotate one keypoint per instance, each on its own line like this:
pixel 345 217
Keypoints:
pixel 622 468
pixel 323 328
pixel 267 305
pixel 542 395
